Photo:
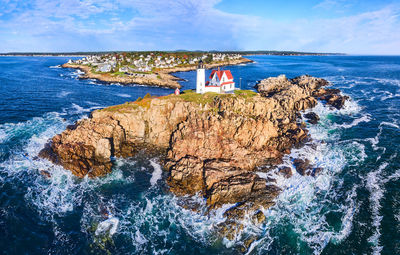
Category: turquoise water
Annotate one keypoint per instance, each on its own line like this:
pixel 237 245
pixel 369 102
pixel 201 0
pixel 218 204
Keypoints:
pixel 352 207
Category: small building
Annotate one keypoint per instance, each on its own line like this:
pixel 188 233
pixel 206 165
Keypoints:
pixel 177 91
pixel 221 81
pixel 124 69
pixel 104 68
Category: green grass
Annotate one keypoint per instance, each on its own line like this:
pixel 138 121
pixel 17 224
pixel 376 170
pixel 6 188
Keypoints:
pixel 186 95
pixel 192 96
pixel 118 74
pixel 121 107
pixel 245 93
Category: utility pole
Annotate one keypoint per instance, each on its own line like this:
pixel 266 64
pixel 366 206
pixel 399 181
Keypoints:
pixel 240 83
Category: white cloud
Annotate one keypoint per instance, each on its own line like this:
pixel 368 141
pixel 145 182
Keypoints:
pixel 326 4
pixel 188 24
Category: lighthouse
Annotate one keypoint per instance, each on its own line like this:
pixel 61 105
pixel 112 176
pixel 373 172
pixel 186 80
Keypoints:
pixel 201 78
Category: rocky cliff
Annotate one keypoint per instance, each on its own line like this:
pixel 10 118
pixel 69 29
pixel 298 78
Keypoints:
pixel 211 144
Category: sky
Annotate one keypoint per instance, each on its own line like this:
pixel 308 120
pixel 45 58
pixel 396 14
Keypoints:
pixel 352 26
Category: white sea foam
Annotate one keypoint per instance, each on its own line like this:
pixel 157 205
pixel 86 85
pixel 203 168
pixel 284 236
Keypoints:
pixel 62 193
pixel 384 123
pixel 77 109
pixel 350 107
pixel 156 175
pixel 92 103
pixel 76 74
pixel 301 204
pixel 57 66
pixel 29 128
pixel 304 200
pixel 63 94
pixel 350 209
pixel 355 122
pixel 394 176
pixel 40 130
pixel 389 95
pixel 375 140
pixel 373 185
pixel 3 135
pixel 123 95
pixel 162 211
pixel 395 82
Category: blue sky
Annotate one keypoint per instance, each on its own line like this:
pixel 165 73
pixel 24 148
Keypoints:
pixel 354 26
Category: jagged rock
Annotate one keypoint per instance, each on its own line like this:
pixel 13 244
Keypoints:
pixel 331 97
pixel 119 131
pixel 285 172
pixel 337 101
pixel 259 217
pixel 312 117
pixel 316 171
pixel 212 144
pixel 45 174
pixel 302 166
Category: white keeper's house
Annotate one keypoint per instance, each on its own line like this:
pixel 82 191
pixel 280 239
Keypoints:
pixel 221 81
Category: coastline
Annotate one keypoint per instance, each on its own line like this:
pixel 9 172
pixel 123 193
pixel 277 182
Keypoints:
pixel 213 145
pixel 160 78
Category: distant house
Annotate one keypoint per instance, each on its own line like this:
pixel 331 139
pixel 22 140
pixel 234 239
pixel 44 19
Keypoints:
pixel 104 68
pixel 221 81
pixel 124 69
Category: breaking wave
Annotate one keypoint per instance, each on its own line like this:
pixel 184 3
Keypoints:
pixel 123 95
pixel 64 94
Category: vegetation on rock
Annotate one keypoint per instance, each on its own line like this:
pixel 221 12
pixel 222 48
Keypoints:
pixel 212 144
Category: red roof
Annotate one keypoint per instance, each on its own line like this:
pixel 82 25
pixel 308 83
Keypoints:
pixel 228 74
pixel 220 73
pixel 227 82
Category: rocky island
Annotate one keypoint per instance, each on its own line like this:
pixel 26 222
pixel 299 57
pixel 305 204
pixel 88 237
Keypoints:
pixel 213 145
pixel 152 68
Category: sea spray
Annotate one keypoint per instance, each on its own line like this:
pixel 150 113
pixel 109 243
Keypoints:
pixel 156 175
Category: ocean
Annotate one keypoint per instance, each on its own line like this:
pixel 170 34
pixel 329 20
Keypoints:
pixel 351 207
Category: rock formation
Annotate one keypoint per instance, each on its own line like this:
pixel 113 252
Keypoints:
pixel 160 78
pixel 312 117
pixel 212 144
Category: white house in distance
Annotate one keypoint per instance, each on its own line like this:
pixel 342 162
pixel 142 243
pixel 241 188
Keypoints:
pixel 221 81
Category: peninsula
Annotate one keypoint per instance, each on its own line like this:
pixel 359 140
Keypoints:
pixel 152 68
pixel 210 144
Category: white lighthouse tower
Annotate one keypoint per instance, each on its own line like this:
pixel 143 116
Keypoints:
pixel 201 78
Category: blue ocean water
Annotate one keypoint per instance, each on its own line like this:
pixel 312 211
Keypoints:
pixel 352 207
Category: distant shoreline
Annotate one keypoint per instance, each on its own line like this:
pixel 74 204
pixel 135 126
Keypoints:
pixel 243 53
pixel 28 55
pixel 161 78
